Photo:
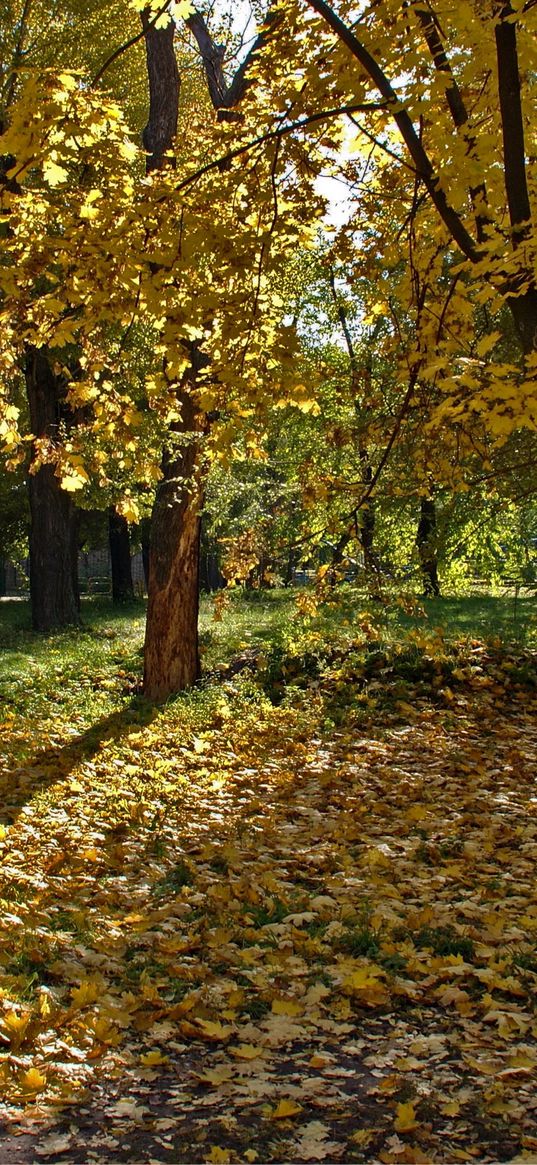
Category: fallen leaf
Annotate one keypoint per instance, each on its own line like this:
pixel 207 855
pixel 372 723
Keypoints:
pixel 284 1109
pixel 405 1119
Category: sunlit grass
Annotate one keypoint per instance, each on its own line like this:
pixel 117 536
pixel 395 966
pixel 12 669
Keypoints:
pixel 77 676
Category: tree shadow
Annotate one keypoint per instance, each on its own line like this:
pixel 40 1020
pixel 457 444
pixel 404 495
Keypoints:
pixel 54 764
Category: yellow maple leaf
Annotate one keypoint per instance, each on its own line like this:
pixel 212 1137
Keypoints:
pixel 73 480
pixel 366 984
pixel 284 1109
pixel 54 174
pixel 363 1137
pixel 216 1076
pixel 15 1025
pixel 152 1058
pixel 212 1031
pixel 87 992
pixel 104 1030
pixel 44 1005
pixel 67 80
pixel 246 1052
pixel 405 1119
pixel 286 1007
pixel 451 1108
pixel 415 812
pixel 33 1080
pixel 219 1156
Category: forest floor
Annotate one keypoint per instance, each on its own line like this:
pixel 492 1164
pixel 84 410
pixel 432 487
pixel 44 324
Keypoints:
pixel 291 916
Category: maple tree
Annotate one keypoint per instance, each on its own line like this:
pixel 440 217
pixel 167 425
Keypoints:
pixel 303 892
pixel 216 338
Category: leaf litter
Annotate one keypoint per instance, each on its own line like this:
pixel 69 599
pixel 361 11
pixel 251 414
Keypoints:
pixel 262 933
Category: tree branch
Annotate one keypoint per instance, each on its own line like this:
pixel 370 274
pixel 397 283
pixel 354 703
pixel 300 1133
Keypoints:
pixel 221 162
pixel 457 107
pixel 450 217
pixel 223 96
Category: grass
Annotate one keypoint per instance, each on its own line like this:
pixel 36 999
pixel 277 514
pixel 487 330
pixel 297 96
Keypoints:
pixel 80 675
pixel 77 674
pixel 510 618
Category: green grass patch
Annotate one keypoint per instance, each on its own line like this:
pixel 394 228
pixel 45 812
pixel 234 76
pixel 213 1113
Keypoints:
pixel 78 677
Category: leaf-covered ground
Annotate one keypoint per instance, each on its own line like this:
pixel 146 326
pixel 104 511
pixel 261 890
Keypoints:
pixel 291 918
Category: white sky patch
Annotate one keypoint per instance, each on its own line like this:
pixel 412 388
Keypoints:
pixel 340 206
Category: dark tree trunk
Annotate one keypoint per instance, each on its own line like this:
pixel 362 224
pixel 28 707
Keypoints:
pixel 371 562
pixel 54 591
pixel 524 313
pixel 523 300
pixel 164 86
pixel 290 568
pixel 367 525
pixel 145 539
pixel 426 543
pixel 171 657
pixel 171 650
pixel 211 577
pixel 120 557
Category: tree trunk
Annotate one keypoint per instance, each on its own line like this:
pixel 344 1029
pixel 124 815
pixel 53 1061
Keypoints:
pixel 524 313
pixel 426 543
pixel 371 562
pixel 164 86
pixel 171 656
pixel 120 557
pixel 171 650
pixel 211 577
pixel 145 539
pixel 54 591
pixel 523 300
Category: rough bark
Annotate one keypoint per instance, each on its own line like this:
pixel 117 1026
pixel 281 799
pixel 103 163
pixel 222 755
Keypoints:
pixel 225 97
pixel 54 591
pixel 523 300
pixel 426 543
pixel 366 530
pixel 171 650
pixel 171 657
pixel 145 540
pixel 164 87
pixel 120 557
pixel 524 312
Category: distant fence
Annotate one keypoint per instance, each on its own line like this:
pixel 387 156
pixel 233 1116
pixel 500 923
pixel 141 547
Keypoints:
pixel 94 575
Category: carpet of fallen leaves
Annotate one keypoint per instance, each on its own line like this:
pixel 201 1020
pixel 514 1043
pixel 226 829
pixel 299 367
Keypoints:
pixel 254 932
